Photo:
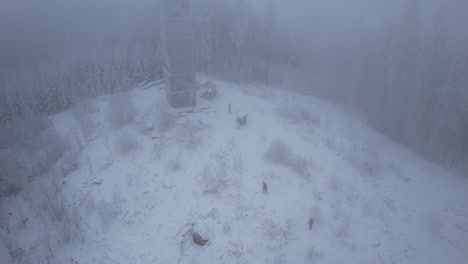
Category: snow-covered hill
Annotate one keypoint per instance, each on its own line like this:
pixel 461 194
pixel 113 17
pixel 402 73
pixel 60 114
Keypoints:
pixel 139 189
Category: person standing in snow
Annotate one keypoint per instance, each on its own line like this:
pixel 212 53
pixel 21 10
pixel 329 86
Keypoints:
pixel 311 222
pixel 265 188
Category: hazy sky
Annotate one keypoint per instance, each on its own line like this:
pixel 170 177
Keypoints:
pixel 373 12
pixel 31 26
pixel 326 18
pixel 300 12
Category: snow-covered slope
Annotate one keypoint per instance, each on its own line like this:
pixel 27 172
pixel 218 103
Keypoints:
pixel 137 194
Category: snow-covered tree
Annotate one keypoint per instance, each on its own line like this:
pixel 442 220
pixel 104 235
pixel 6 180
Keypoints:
pixel 204 22
pixel 269 31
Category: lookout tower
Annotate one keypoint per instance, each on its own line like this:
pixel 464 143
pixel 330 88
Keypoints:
pixel 177 43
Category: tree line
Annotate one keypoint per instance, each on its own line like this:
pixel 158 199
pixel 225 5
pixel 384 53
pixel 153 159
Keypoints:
pixel 405 77
pixel 410 83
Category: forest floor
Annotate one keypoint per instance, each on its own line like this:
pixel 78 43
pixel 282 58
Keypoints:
pixel 138 191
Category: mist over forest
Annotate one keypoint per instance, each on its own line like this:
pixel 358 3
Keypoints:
pixel 402 65
pixel 233 131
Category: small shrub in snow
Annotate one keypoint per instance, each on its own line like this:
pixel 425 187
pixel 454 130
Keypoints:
pixel 88 203
pixel 83 113
pixel 4 223
pixel 191 134
pixel 48 246
pixel 107 213
pixel 126 143
pixel 163 121
pixel 11 244
pixel 70 229
pixel 343 227
pixel 214 179
pixel 54 205
pixel 145 125
pixel 117 199
pixel 193 138
pixel 38 155
pixel 278 152
pixel 282 154
pixel 342 220
pixel 69 163
pixel 121 110
pixel 276 234
pixel 23 220
pixel 11 174
pixel 88 125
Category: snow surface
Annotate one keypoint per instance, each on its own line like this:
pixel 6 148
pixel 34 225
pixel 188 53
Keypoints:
pixel 372 200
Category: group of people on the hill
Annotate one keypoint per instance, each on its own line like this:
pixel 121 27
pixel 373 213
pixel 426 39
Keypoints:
pixel 210 93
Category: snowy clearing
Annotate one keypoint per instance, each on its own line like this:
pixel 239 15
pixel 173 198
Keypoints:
pixel 140 184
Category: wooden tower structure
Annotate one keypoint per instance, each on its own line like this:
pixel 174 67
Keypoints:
pixel 177 43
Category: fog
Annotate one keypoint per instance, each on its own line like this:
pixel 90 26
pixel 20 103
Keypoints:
pixel 269 131
pixel 31 28
pixel 333 43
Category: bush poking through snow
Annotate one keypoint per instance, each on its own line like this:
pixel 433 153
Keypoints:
pixel 191 134
pixel 214 179
pixel 16 252
pixel 121 111
pixel 23 220
pixel 88 125
pixel 83 113
pixel 12 172
pixel 282 154
pixel 69 163
pixel 164 121
pixel 4 224
pixel 276 234
pixel 40 154
pixel 278 152
pixel 107 213
pixel 126 143
pixel 193 137
pixel 54 205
